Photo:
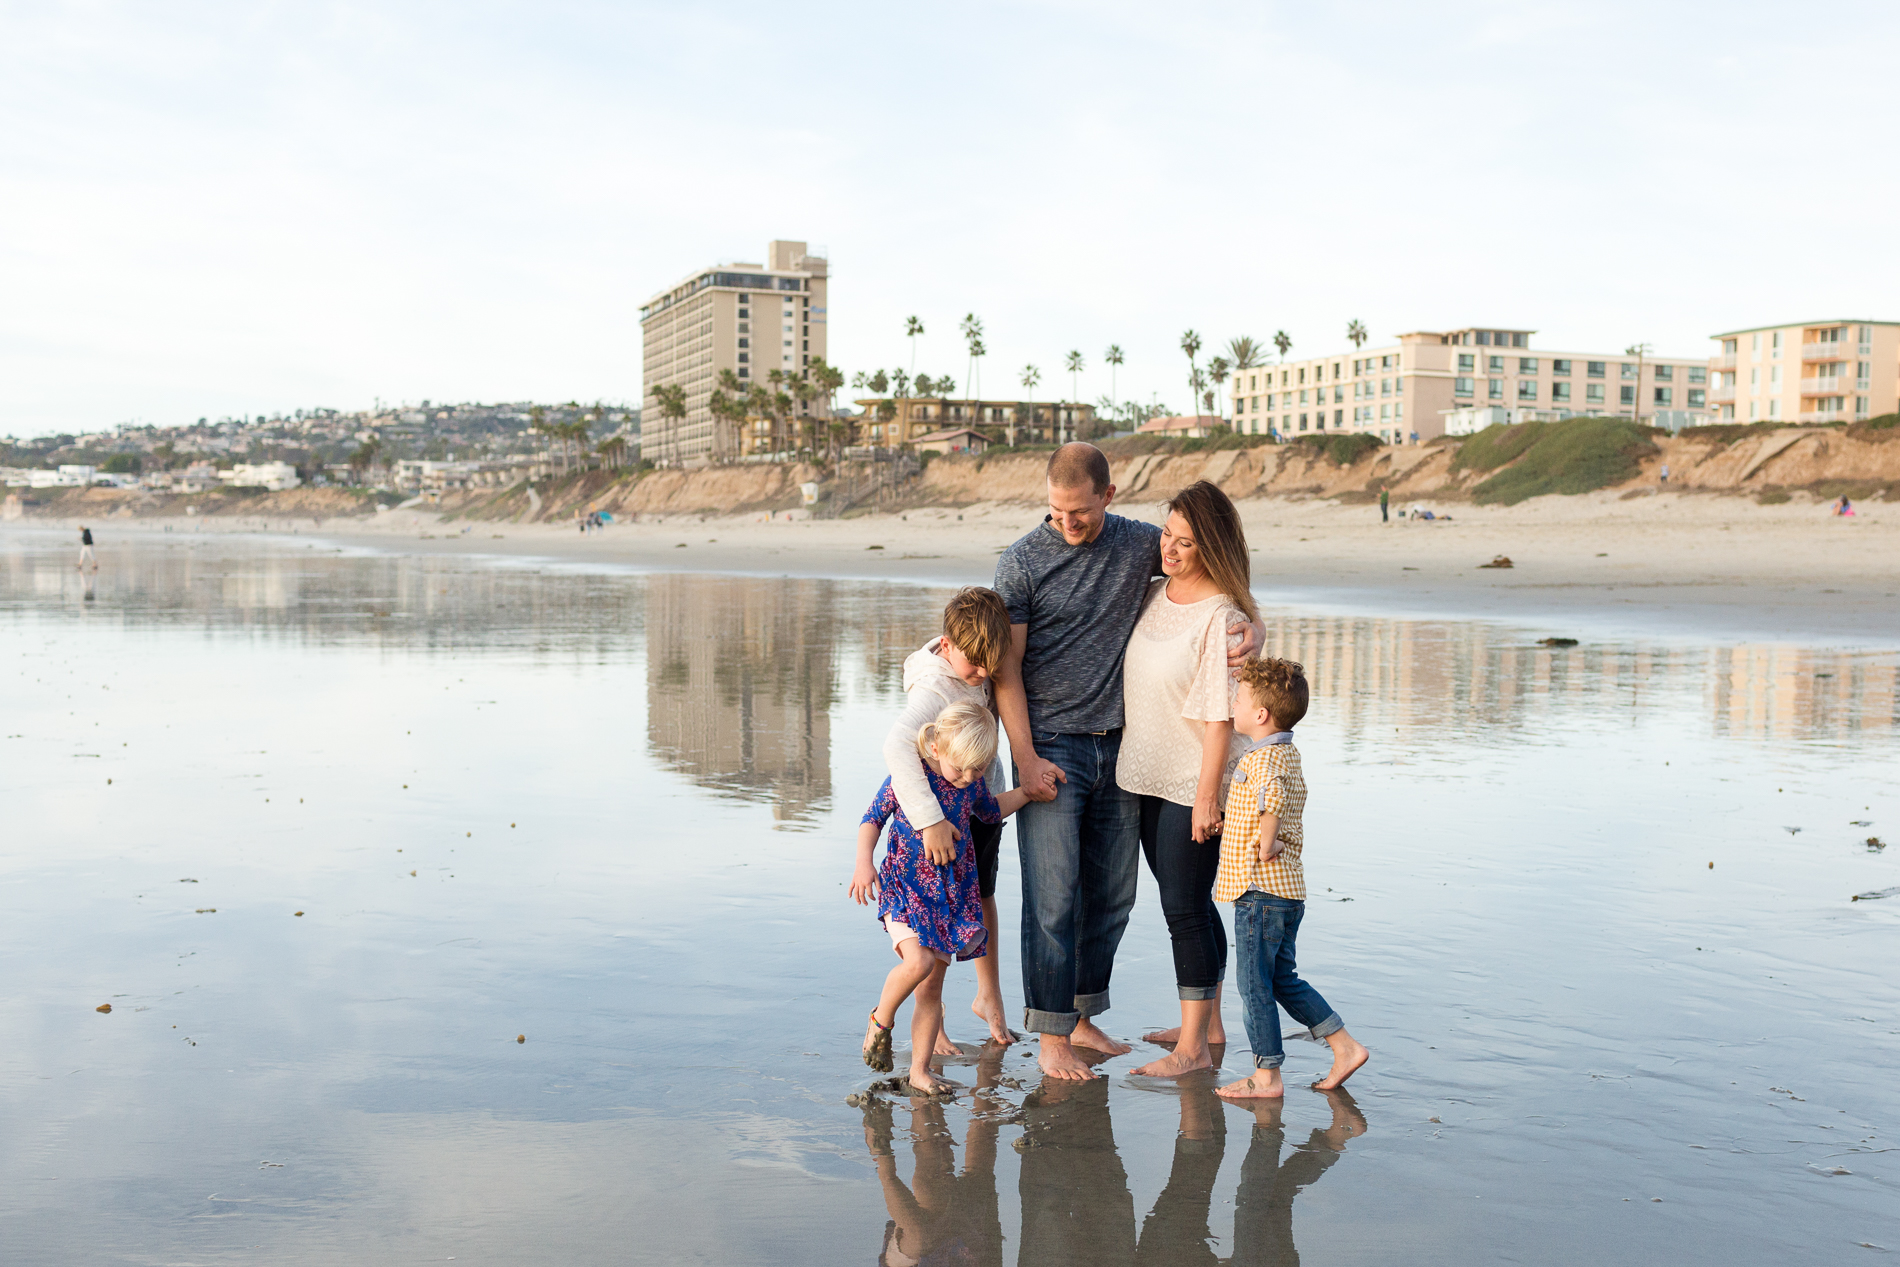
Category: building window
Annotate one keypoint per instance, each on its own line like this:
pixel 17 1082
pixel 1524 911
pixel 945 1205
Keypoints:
pixel 1628 370
pixel 1697 398
pixel 1560 392
pixel 743 371
pixel 1339 417
pixel 1774 409
pixel 1339 394
pixel 1527 365
pixel 805 346
pixel 1626 395
pixel 1527 389
pixel 1698 374
pixel 1593 393
pixel 1560 367
pixel 744 312
pixel 1302 422
pixel 1665 396
pixel 1302 373
pixel 1774 375
pixel 1461 387
pixel 1385 387
pixel 1495 364
pixel 1467 362
pixel 745 343
pixel 1495 390
pixel 1520 340
pixel 743 356
pixel 1484 338
pixel 1664 373
pixel 1774 346
pixel 1860 402
pixel 1594 369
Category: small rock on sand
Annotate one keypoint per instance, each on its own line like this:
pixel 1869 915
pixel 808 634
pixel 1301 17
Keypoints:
pixel 103 1007
pixel 1499 561
pixel 1556 642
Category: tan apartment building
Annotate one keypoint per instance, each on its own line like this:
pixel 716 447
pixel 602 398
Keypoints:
pixel 1431 383
pixel 751 319
pixel 1812 371
pixel 1008 421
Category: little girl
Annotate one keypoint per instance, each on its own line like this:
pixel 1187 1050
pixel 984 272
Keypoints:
pixel 933 913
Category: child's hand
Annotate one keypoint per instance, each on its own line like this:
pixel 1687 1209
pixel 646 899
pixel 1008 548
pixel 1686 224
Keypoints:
pixel 1272 849
pixel 863 884
pixel 941 849
pixel 1045 791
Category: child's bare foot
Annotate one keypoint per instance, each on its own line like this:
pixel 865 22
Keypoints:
pixel 1176 1063
pixel 923 1082
pixel 1059 1059
pixel 945 1047
pixel 877 1045
pixel 1261 1084
pixel 1216 1034
pixel 1085 1034
pixel 1348 1055
pixel 989 1009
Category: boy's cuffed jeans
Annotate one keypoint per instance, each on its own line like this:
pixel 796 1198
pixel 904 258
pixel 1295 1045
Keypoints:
pixel 1265 927
pixel 1080 854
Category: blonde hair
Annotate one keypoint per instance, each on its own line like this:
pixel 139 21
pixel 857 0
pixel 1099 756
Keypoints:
pixel 977 623
pixel 965 735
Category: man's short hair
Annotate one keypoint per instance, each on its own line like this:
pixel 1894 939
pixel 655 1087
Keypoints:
pixel 1279 686
pixel 1079 463
pixel 977 623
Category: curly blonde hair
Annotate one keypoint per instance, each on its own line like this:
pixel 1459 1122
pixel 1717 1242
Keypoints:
pixel 965 735
pixel 1279 686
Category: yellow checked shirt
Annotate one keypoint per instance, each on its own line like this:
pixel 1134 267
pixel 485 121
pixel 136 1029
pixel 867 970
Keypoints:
pixel 1267 781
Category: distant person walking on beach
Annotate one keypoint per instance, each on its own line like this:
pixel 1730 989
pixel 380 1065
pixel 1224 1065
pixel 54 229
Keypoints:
pixel 1665 473
pixel 85 548
pixel 1262 875
pixel 1178 748
pixel 1074 587
pixel 1385 505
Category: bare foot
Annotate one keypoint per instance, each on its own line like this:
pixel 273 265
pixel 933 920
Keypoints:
pixel 1216 1034
pixel 877 1045
pixel 1347 1057
pixel 923 1082
pixel 990 1012
pixel 945 1047
pixel 1058 1059
pixel 1261 1084
pixel 1177 1063
pixel 1085 1034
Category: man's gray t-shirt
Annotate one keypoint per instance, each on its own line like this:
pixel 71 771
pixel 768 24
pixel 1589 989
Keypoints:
pixel 1080 604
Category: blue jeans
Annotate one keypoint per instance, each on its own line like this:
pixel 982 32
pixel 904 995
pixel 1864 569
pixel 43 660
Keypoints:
pixel 1080 854
pixel 1264 929
pixel 1184 871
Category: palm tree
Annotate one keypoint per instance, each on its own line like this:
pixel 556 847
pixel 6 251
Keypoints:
pixel 828 379
pixel 1030 377
pixel 1356 331
pixel 900 385
pixel 1245 353
pixel 1217 370
pixel 1073 363
pixel 978 350
pixel 1114 358
pixel 1283 341
pixel 912 328
pixel 972 330
pixel 671 398
pixel 1191 344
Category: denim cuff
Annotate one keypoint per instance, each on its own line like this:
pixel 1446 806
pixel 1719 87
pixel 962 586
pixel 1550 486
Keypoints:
pixel 1197 993
pixel 1331 1025
pixel 1040 1022
pixel 1092 1004
pixel 1269 1062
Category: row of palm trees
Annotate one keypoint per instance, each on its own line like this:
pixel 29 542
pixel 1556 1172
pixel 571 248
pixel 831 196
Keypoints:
pixel 785 401
pixel 571 437
pixel 1242 354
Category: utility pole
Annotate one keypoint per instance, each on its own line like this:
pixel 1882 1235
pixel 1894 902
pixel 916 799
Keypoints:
pixel 1639 351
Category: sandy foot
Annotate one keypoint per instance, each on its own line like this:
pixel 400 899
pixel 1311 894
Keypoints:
pixel 1261 1084
pixel 1085 1034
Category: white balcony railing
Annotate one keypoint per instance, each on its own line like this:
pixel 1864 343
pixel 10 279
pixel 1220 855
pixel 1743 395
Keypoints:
pixel 1722 396
pixel 1722 362
pixel 1824 386
pixel 1825 351
pixel 1821 415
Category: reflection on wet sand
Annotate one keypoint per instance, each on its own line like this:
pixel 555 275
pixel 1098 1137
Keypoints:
pixel 1076 1204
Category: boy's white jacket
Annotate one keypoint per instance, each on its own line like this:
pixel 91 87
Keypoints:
pixel 929 687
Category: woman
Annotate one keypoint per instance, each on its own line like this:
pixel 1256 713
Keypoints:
pixel 1178 747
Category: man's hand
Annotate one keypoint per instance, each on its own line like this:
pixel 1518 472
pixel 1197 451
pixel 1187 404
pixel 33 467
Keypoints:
pixel 1034 773
pixel 1252 638
pixel 940 842
pixel 863 884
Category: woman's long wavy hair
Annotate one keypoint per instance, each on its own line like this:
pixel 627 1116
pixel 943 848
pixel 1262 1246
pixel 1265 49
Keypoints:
pixel 1222 541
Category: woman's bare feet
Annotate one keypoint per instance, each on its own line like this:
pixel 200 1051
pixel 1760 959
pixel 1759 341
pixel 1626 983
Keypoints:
pixel 877 1045
pixel 1176 1063
pixel 1059 1059
pixel 1085 1034
pixel 989 1009
pixel 1261 1084
pixel 1348 1055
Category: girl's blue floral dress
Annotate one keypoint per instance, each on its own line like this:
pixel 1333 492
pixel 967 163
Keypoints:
pixel 942 905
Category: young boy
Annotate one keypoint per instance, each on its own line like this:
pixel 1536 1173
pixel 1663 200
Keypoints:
pixel 949 669
pixel 1260 874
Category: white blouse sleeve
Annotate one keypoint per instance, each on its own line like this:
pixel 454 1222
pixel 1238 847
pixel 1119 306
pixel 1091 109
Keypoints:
pixel 1210 694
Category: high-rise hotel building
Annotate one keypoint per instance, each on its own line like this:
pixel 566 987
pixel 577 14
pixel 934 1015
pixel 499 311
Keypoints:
pixel 1431 382
pixel 748 318
pixel 1813 371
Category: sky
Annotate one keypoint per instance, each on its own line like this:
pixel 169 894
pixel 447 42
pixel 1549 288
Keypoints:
pixel 210 209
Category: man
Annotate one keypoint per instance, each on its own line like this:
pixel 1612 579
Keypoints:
pixel 1385 501
pixel 85 548
pixel 1074 586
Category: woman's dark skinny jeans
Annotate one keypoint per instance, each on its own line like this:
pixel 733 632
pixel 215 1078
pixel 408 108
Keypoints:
pixel 1184 870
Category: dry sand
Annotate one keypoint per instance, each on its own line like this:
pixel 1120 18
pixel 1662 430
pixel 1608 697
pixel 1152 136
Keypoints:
pixel 1699 565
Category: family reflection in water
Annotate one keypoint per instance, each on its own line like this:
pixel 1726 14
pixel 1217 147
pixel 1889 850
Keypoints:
pixel 1074 1192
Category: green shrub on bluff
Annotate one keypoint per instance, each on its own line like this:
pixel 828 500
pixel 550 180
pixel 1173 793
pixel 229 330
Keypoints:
pixel 1577 455
pixel 1495 445
pixel 1342 447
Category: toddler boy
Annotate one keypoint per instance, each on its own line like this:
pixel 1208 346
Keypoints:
pixel 1261 843
pixel 948 669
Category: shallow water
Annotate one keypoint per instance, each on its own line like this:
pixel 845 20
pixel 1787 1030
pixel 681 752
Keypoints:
pixel 613 813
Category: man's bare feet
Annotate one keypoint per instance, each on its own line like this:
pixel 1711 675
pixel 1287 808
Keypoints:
pixel 1261 1084
pixel 1176 1063
pixel 1059 1059
pixel 1348 1055
pixel 990 1011
pixel 1085 1034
